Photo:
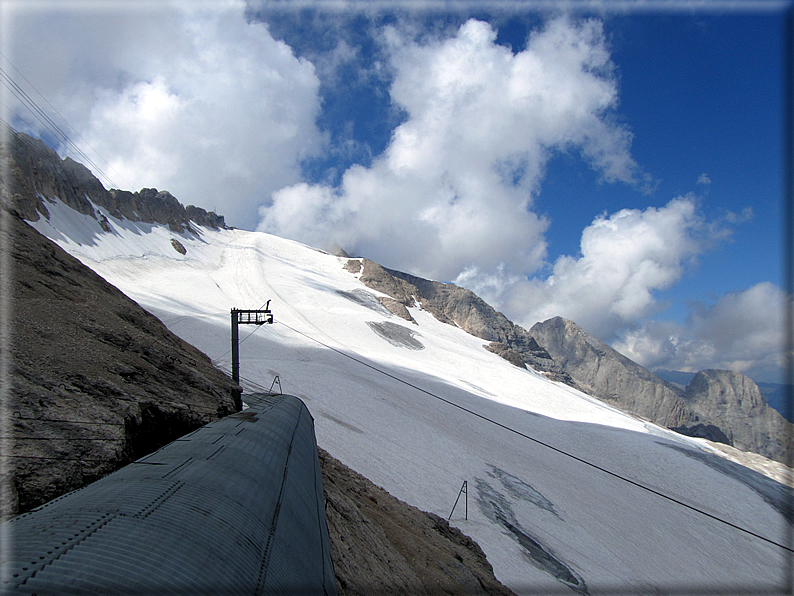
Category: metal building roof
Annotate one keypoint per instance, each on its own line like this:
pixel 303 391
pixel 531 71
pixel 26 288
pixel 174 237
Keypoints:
pixel 236 507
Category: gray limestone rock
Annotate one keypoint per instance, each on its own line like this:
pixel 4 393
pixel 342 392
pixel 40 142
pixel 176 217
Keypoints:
pixel 178 246
pixel 733 402
pixel 378 278
pixel 462 308
pixel 396 308
pixel 609 375
pixel 36 171
pixel 353 266
pixel 714 407
pixel 722 406
pixel 507 353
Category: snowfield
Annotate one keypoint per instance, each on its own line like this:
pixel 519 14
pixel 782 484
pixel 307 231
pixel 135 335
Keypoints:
pixel 419 409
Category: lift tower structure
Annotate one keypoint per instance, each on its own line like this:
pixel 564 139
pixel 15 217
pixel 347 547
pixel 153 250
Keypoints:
pixel 246 317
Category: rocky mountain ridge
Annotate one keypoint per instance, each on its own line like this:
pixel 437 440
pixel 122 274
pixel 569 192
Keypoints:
pixel 558 348
pixel 460 307
pixel 96 381
pixel 733 403
pixel 722 406
pixel 35 171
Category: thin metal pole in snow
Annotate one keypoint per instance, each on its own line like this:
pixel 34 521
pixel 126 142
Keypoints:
pixel 463 491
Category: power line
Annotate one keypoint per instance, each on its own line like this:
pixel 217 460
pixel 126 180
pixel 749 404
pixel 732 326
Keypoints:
pixel 44 119
pixel 25 140
pixel 65 120
pixel 48 122
pixel 216 361
pixel 556 449
pixel 249 383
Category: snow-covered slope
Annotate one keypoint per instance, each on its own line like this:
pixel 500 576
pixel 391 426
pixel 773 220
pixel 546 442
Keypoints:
pixel 564 492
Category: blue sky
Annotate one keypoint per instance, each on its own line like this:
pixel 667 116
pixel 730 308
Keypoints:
pixel 616 164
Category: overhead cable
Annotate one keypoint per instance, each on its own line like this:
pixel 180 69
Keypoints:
pixel 65 120
pixel 50 125
pixel 548 446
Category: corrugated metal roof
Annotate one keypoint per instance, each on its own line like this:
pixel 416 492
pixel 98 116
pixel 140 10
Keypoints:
pixel 235 507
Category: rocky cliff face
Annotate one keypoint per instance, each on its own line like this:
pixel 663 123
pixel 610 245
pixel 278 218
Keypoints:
pixel 36 171
pixel 463 308
pixel 722 406
pixel 733 403
pixel 610 376
pixel 565 352
pixel 96 381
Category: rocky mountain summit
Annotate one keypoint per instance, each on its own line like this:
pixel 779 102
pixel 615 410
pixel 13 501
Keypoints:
pixel 610 376
pixel 733 403
pixel 460 307
pixel 36 171
pixel 721 406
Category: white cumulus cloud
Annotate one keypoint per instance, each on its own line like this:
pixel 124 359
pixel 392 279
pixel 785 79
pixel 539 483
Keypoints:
pixel 453 191
pixel 188 96
pixel 626 257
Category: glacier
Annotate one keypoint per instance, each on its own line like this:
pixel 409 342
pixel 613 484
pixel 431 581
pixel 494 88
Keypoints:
pixel 565 493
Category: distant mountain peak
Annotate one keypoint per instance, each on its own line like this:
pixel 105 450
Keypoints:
pixel 720 405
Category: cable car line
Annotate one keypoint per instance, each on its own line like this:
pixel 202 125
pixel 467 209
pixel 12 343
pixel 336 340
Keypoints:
pixel 548 446
pixel 68 124
pixel 49 124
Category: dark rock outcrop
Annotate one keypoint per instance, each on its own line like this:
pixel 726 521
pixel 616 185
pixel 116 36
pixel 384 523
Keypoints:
pixel 36 172
pixel 507 353
pixel 396 308
pixel 381 545
pixel 704 431
pixel 95 380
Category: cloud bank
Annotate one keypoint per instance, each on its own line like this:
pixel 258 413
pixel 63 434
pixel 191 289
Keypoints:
pixel 451 197
pixel 188 97
pixel 193 98
pixel 742 331
pixel 611 288
pixel 454 188
pixel 625 258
